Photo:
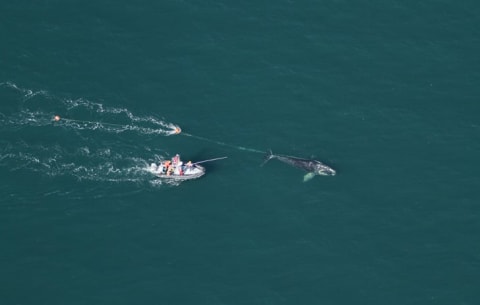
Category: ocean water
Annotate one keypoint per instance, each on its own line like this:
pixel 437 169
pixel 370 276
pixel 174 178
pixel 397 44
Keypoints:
pixel 385 92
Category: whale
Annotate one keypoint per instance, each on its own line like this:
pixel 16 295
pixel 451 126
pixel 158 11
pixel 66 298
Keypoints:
pixel 312 167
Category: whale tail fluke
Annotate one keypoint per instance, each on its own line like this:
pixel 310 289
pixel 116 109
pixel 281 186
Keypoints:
pixel 268 156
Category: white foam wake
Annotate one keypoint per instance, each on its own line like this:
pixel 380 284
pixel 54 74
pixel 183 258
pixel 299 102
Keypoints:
pixel 61 153
pixel 38 108
pixel 83 163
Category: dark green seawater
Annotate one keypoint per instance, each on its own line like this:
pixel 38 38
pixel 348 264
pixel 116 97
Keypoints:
pixel 385 92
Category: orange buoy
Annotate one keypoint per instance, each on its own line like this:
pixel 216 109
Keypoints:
pixel 56 118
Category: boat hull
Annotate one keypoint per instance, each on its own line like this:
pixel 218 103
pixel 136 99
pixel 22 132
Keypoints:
pixel 195 172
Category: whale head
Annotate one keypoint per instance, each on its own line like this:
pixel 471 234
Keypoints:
pixel 324 170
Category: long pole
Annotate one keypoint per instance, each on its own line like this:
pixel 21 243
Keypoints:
pixel 220 158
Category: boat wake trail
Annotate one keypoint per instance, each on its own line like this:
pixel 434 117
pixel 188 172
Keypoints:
pixel 82 163
pixel 32 141
pixel 85 163
pixel 40 108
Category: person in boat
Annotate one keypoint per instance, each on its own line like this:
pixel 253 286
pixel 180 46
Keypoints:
pixel 176 160
pixel 170 170
pixel 179 169
pixel 188 167
pixel 166 165
pixel 160 168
